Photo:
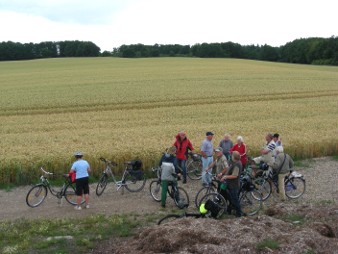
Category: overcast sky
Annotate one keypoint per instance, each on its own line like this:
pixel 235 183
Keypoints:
pixel 111 23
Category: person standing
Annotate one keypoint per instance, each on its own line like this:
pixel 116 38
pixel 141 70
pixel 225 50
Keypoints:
pixel 207 150
pixel 182 144
pixel 232 179
pixel 82 169
pixel 240 147
pixel 281 167
pixel 267 151
pixel 226 144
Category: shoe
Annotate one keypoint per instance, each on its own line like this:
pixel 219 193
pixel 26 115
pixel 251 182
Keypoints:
pixel 184 181
pixel 163 206
pixel 77 207
pixel 87 206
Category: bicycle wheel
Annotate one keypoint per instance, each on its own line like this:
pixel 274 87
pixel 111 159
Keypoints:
pixel 155 190
pixel 250 203
pixel 169 218
pixel 182 199
pixel 202 192
pixel 36 195
pixel 134 183
pixel 194 169
pixel 294 187
pixel 218 204
pixel 264 187
pixel 70 195
pixel 101 185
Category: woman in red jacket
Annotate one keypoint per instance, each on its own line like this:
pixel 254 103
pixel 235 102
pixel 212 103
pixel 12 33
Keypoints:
pixel 241 148
pixel 182 144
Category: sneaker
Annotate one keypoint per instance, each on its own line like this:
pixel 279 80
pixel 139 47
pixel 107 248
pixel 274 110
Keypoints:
pixel 184 180
pixel 77 207
pixel 87 206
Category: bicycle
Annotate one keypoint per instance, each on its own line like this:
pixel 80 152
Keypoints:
pixel 250 198
pixel 37 194
pixel 214 204
pixel 133 178
pixel 194 166
pixel 295 184
pixel 179 195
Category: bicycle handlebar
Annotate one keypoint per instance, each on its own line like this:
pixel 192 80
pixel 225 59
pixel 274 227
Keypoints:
pixel 45 172
pixel 108 161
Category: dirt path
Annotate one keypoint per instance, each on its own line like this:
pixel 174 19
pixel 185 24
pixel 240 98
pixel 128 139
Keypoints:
pixel 321 176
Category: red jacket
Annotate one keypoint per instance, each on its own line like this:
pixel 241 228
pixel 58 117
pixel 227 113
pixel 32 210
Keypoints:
pixel 182 147
pixel 242 151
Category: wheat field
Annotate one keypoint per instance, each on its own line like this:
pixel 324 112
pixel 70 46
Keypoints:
pixel 133 108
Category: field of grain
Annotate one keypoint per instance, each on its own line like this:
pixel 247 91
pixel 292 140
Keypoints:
pixel 128 108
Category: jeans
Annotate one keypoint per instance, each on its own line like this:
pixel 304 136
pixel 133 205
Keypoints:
pixel 182 165
pixel 234 201
pixel 206 177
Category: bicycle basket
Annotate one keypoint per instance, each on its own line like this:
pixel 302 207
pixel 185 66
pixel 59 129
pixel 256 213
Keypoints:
pixel 135 165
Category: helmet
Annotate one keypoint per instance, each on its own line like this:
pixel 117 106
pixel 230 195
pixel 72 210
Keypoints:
pixel 78 154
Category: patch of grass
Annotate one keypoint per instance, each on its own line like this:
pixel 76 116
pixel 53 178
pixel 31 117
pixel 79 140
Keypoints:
pixel 325 202
pixel 24 236
pixel 335 157
pixel 295 218
pixel 267 244
pixel 310 252
pixel 7 187
pixel 303 163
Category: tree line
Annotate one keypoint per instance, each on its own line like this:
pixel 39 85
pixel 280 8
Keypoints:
pixel 304 51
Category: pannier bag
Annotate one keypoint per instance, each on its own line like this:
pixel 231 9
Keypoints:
pixel 213 207
pixel 135 169
pixel 72 177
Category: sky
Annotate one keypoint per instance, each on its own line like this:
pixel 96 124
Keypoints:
pixel 112 23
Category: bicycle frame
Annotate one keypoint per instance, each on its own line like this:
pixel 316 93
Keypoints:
pixel 109 172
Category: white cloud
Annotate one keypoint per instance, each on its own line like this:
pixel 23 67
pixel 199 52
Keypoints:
pixel 113 23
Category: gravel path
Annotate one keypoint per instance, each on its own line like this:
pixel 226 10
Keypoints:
pixel 321 176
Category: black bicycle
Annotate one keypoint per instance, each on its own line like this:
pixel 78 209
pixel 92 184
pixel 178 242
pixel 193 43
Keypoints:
pixel 133 178
pixel 37 194
pixel 179 195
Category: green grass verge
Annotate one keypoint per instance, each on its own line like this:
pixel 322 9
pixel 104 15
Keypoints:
pixel 267 244
pixel 64 235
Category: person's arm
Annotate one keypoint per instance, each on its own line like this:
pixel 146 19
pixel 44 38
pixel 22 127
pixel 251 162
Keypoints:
pixel 210 166
pixel 191 148
pixel 234 174
pixel 204 155
pixel 243 154
pixel 291 162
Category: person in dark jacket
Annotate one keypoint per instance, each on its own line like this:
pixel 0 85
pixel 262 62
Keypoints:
pixel 182 144
pixel 169 172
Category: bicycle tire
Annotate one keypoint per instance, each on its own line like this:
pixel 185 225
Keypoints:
pixel 295 187
pixel 183 198
pixel 264 187
pixel 202 192
pixel 169 218
pixel 101 185
pixel 70 195
pixel 36 195
pixel 194 170
pixel 133 183
pixel 217 199
pixel 155 189
pixel 249 204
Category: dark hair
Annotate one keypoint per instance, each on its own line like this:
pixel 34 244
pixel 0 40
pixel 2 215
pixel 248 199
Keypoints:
pixel 276 135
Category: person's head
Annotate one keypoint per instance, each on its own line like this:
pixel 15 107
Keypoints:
pixel 209 135
pixel 240 140
pixel 275 137
pixel 78 155
pixel 170 151
pixel 236 156
pixel 226 137
pixel 268 137
pixel 219 151
pixel 182 135
pixel 279 149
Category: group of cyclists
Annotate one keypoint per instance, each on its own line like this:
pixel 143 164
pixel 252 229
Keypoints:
pixel 229 162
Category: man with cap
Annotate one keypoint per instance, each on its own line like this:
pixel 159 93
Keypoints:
pixel 207 150
pixel 222 166
pixel 82 169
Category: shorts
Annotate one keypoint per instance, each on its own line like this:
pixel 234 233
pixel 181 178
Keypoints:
pixel 82 186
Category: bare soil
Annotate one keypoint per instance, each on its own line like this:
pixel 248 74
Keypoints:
pixel 318 233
